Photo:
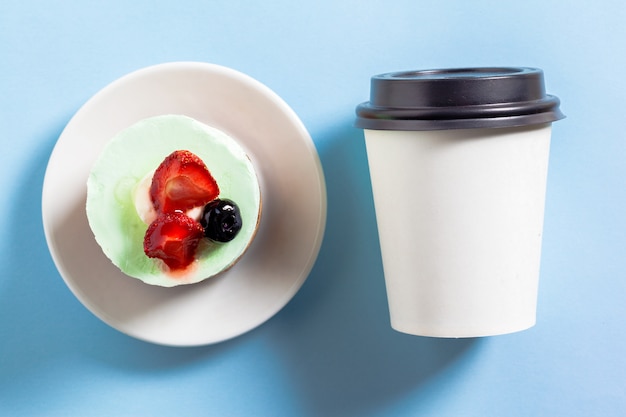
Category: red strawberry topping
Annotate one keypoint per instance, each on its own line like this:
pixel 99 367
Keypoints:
pixel 181 182
pixel 173 238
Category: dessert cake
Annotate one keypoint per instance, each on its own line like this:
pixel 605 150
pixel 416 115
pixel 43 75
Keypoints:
pixel 173 201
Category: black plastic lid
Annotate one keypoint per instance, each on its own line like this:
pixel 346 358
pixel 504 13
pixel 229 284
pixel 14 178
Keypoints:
pixel 459 98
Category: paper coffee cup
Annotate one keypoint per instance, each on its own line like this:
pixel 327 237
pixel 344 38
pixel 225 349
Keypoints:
pixel 458 161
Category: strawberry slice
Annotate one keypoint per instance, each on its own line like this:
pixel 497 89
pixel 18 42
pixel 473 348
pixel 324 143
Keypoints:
pixel 181 182
pixel 173 238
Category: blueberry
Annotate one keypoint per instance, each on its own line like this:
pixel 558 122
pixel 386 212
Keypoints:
pixel 221 220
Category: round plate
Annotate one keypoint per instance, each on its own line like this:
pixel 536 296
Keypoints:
pixel 290 231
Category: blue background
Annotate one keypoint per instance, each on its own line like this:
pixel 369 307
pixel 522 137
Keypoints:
pixel 330 351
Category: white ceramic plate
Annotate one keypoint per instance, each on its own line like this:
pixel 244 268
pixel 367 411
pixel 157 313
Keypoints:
pixel 291 228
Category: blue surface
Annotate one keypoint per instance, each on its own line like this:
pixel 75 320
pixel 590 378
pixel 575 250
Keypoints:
pixel 330 351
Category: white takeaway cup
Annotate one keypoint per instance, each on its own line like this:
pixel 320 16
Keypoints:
pixel 458 162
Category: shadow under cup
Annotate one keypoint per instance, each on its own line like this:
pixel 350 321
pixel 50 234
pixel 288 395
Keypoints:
pixel 458 161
